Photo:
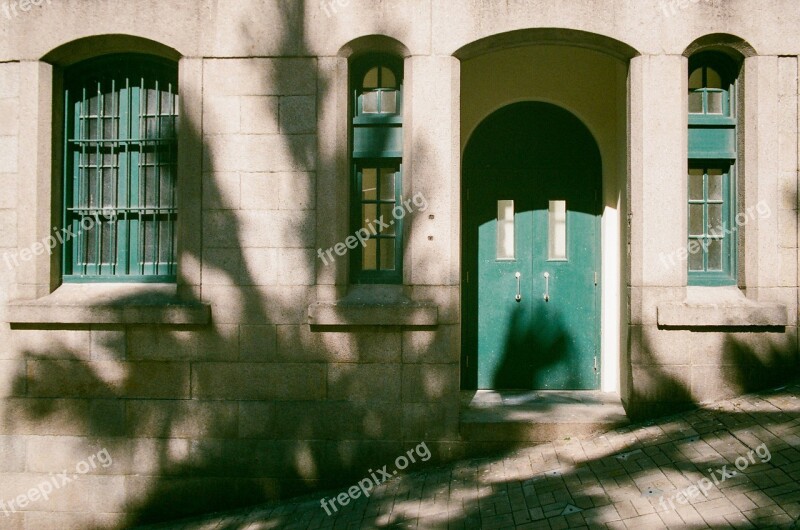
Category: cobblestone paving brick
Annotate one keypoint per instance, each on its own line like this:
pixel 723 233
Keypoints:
pixel 732 464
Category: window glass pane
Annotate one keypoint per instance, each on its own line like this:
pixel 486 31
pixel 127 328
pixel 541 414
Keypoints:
pixel 715 184
pixel 371 79
pixel 715 255
pixel 387 183
pixel 696 257
pixel 557 230
pixel 715 219
pixel 369 102
pixel 109 128
pixel 369 213
pixel 151 101
pixel 696 184
pixel 387 78
pixel 695 102
pixel 165 240
pixel 369 255
pixel 369 184
pixel 151 128
pixel 92 105
pixel 149 188
pixel 91 190
pixel 386 213
pixel 93 129
pixel 389 102
pixel 696 219
pixel 148 239
pixel 109 179
pixel 387 254
pixel 109 102
pixel 165 105
pixel 713 79
pixel 91 239
pixel 715 102
pixel 505 229
pixel 168 124
pixel 107 232
pixel 696 79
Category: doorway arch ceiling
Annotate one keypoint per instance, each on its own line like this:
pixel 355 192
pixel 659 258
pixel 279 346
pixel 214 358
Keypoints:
pixel 536 36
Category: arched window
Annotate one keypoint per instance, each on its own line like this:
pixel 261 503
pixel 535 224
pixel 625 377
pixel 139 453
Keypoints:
pixel 709 92
pixel 379 92
pixel 712 237
pixel 120 161
pixel 377 156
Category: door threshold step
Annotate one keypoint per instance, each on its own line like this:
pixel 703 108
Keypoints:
pixel 537 416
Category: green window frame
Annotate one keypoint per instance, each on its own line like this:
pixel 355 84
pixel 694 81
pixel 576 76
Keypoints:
pixel 377 176
pixel 709 92
pixel 379 92
pixel 379 182
pixel 711 228
pixel 711 221
pixel 120 170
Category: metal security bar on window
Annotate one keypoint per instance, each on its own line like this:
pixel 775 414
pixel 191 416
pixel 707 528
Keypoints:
pixel 120 170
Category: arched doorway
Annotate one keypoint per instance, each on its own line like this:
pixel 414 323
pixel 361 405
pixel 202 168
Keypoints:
pixel 531 251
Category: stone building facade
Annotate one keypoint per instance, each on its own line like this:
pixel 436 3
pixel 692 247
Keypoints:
pixel 596 195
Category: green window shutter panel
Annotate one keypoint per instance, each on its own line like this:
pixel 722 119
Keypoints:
pixel 712 142
pixel 377 141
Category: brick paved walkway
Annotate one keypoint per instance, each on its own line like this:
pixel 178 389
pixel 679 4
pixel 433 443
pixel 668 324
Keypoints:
pixel 676 472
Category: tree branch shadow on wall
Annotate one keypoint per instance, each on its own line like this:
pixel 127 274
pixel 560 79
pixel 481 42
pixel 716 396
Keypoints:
pixel 181 454
pixel 659 462
pixel 192 457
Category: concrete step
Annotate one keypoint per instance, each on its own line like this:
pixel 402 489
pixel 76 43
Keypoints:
pixel 515 417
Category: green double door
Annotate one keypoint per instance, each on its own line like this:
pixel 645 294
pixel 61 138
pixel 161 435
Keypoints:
pixel 531 243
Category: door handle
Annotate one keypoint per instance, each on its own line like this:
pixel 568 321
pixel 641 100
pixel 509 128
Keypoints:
pixel 546 286
pixel 519 295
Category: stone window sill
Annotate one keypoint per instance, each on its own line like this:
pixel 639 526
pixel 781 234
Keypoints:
pixel 374 306
pixel 109 304
pixel 720 307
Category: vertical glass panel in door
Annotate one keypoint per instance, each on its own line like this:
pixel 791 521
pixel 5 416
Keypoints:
pixel 557 230
pixel 505 229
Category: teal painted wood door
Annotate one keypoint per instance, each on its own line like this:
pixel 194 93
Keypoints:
pixel 532 177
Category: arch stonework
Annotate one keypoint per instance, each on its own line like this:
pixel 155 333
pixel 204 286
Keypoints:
pixel 78 50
